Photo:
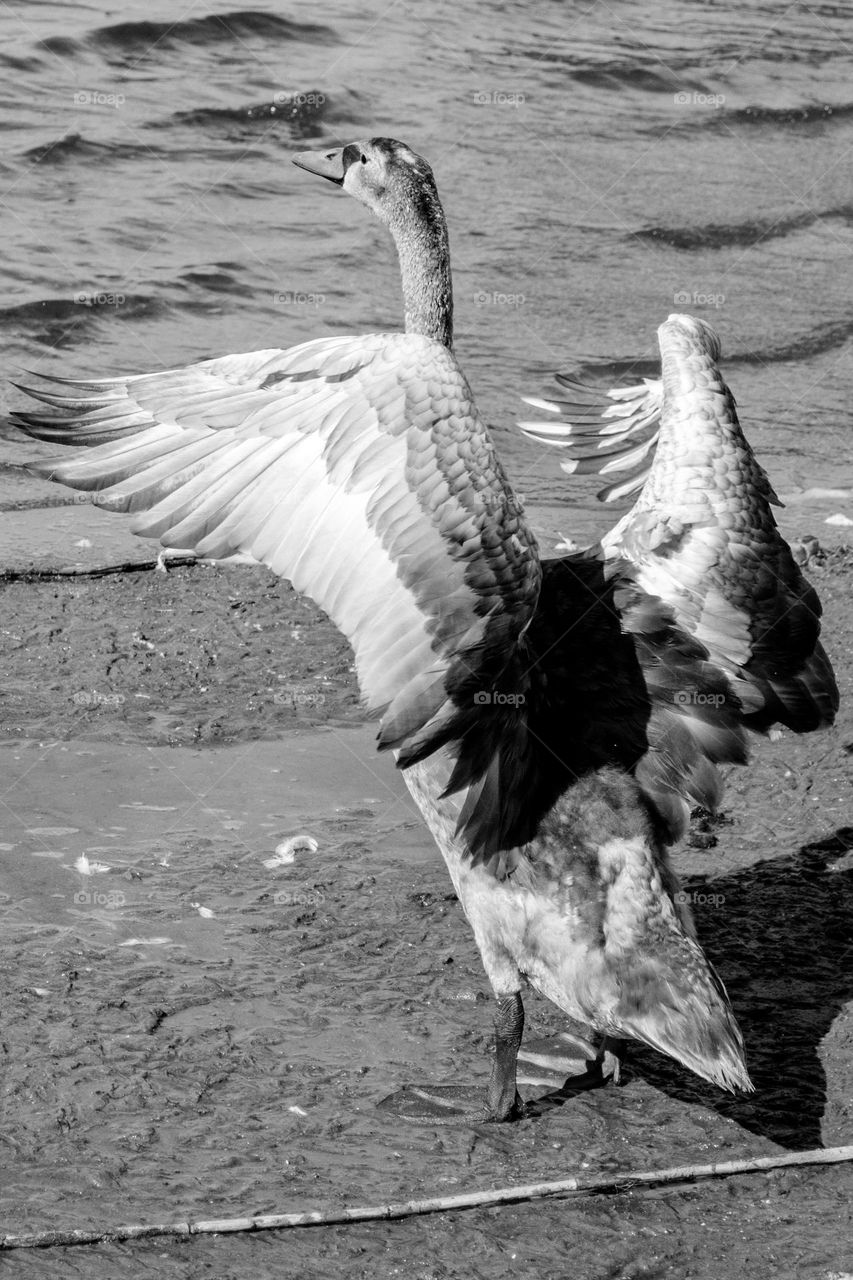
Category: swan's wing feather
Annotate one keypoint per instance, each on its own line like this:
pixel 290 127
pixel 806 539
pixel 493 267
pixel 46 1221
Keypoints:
pixel 621 685
pixel 358 469
pixel 696 712
pixel 701 535
pixel 621 423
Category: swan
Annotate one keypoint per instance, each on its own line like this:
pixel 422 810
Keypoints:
pixel 554 719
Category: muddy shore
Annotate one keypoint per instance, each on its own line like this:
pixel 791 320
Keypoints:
pixel 192 1032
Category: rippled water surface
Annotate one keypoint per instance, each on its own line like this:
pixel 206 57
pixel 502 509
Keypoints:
pixel 601 165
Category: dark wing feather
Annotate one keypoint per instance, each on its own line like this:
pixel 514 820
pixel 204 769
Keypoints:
pixel 615 681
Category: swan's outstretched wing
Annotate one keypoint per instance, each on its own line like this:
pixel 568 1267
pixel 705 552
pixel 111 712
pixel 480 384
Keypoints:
pixel 702 537
pixel 357 468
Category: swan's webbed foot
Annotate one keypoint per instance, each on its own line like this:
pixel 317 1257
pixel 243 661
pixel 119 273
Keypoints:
pixel 459 1104
pixel 571 1062
pixel 449 1104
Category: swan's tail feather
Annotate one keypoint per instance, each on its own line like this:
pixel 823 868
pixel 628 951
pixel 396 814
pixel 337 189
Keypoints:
pixel 624 957
pixel 684 1012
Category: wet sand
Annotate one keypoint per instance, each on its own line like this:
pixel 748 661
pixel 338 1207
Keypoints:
pixel 188 1032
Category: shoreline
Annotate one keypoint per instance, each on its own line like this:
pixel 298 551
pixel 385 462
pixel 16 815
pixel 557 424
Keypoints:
pixel 204 654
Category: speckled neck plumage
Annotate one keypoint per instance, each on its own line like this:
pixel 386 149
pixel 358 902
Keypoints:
pixel 420 234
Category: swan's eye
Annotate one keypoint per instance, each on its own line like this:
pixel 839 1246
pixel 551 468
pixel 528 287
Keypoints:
pixel 364 159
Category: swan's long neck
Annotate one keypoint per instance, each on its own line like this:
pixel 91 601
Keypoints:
pixel 422 245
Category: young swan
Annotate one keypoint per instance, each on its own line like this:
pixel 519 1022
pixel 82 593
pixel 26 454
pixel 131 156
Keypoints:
pixel 554 720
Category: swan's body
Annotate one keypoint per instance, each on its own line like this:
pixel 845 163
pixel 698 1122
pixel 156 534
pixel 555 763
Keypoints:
pixel 555 720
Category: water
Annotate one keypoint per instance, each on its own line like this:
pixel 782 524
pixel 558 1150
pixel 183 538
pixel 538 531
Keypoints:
pixel 601 165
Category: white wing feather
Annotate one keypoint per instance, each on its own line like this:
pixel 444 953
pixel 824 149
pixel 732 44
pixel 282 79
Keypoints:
pixel 357 468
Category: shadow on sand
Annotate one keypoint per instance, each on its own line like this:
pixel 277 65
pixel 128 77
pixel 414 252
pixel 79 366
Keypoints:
pixel 783 939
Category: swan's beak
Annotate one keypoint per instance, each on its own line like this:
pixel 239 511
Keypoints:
pixel 326 164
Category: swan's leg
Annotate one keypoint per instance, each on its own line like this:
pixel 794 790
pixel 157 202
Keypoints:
pixel 611 1058
pixel 504 1101
pixel 455 1104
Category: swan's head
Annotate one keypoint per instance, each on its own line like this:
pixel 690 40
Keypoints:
pixel 386 175
pixel 399 188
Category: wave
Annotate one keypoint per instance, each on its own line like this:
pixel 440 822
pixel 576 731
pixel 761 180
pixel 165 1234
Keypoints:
pixel 824 337
pixel 724 120
pixel 811 114
pixel 58 322
pixel 219 277
pixel 627 76
pixel 139 38
pixel 303 114
pixel 283 106
pixel 75 147
pixel 723 235
pixel 739 234
pixel 19 63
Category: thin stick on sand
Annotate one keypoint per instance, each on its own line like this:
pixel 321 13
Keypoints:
pixel 99 571
pixel 582 1184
